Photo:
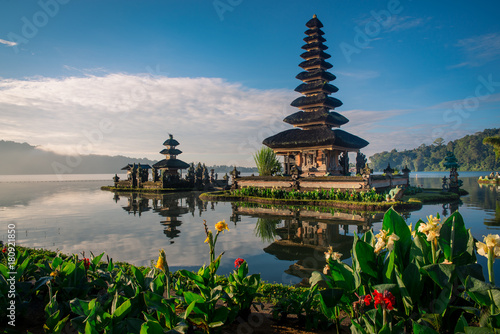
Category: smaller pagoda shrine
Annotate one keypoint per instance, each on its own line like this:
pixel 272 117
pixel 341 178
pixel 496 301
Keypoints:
pixel 315 148
pixel 169 166
pixel 451 162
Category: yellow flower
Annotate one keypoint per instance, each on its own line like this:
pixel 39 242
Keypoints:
pixel 492 240
pixel 446 262
pixel 384 240
pixel 326 269
pixel 379 246
pixel 390 241
pixel 412 231
pixel 55 273
pixel 433 220
pixel 160 264
pixel 221 226
pixel 433 234
pixel 209 236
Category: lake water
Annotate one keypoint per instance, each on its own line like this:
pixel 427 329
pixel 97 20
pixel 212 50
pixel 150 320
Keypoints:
pixel 73 215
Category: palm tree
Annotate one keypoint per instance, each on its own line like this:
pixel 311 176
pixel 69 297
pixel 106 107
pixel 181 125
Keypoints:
pixel 267 162
pixel 495 142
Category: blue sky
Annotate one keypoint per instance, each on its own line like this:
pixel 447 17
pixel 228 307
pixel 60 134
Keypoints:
pixel 115 77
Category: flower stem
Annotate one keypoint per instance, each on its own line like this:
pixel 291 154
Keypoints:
pixel 384 315
pixel 433 246
pixel 491 260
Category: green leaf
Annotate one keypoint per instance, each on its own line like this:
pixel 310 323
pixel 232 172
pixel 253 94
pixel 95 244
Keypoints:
pixel 461 324
pixel 80 307
pixel 364 254
pixel 441 274
pixel 420 251
pixel 138 275
pixel 413 281
pixel 329 298
pixel 60 325
pixel 189 309
pixel 110 265
pixel 154 301
pixel 122 310
pixel 394 223
pixel 97 259
pixel 90 329
pixel 405 294
pixel 220 315
pixel 422 329
pixel 190 297
pixel 453 237
pixel 151 327
pixel 478 330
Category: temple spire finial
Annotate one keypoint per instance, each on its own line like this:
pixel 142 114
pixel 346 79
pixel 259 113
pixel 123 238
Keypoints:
pixel 314 16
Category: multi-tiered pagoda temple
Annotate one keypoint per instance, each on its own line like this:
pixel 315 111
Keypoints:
pixel 170 165
pixel 315 148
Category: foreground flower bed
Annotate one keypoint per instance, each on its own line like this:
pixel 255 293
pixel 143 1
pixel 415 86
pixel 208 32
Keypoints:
pixel 423 279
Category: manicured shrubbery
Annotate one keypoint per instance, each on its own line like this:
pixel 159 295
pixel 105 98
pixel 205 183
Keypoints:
pixel 321 194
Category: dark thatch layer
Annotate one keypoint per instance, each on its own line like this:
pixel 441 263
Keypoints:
pixel 321 98
pixel 171 142
pixel 317 74
pixel 309 39
pixel 314 23
pixel 315 62
pixel 171 151
pixel 315 53
pixel 314 32
pixel 313 45
pixel 318 86
pixel 171 163
pixel 321 116
pixel 320 136
pixel 131 166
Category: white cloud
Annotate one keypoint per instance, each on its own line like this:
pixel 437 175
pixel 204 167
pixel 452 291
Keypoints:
pixel 480 49
pixel 8 43
pixel 400 23
pixel 214 120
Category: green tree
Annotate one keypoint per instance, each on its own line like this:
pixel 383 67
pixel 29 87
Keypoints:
pixel 495 142
pixel 267 162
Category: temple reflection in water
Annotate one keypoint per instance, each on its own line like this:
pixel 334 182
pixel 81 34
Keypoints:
pixel 299 234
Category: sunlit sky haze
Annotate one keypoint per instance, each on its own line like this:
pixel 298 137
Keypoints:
pixel 116 77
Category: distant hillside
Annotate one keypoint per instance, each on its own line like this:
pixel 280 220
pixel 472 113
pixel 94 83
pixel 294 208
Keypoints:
pixel 470 151
pixel 23 158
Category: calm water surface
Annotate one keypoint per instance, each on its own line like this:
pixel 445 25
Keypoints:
pixel 283 244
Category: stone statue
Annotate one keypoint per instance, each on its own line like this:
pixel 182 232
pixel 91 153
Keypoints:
pixel 360 162
pixel 394 195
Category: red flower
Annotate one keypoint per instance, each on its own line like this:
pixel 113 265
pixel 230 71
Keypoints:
pixel 4 250
pixel 387 300
pixel 368 300
pixel 238 262
pixel 86 263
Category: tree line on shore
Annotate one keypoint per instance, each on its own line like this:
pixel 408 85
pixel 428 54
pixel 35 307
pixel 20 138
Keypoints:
pixel 471 152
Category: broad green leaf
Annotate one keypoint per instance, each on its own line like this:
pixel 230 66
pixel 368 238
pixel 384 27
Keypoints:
pixel 220 314
pixel 190 297
pixel 151 327
pixel 60 325
pixel 122 310
pixel 97 259
pixel 478 330
pixel 80 307
pixel 153 301
pixel 453 237
pixel 394 223
pixel 441 274
pixel 461 324
pixel 405 294
pixel 138 275
pixel 364 254
pixel 413 281
pixel 422 329
pixel 89 328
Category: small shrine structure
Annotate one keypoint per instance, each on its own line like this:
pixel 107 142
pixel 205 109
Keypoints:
pixel 169 167
pixel 314 147
pixel 451 162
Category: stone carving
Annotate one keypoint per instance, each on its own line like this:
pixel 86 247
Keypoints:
pixel 394 195
pixel 360 162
